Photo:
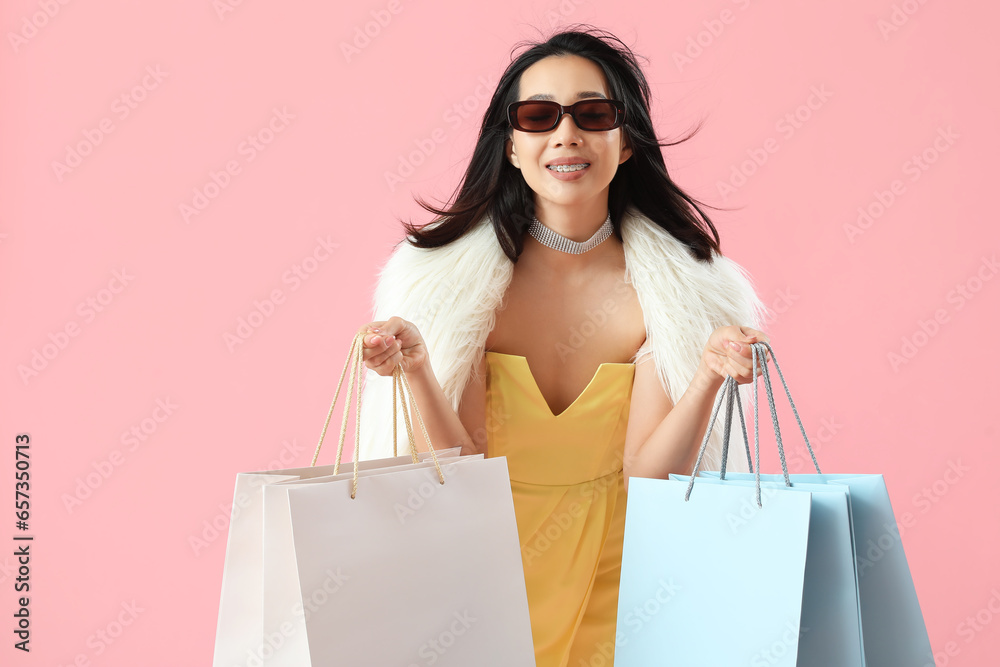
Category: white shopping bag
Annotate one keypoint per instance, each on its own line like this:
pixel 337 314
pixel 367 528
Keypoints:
pixel 239 630
pixel 412 565
pixel 285 609
pixel 411 571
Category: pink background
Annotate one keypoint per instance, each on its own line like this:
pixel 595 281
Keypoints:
pixel 847 299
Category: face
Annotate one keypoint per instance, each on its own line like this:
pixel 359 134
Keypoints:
pixel 563 79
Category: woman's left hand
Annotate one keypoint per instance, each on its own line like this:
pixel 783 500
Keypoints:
pixel 728 353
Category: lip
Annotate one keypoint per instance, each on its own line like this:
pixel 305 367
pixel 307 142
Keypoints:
pixel 569 175
pixel 566 160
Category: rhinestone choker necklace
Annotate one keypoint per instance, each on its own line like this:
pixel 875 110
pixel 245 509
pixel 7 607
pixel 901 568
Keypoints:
pixel 556 241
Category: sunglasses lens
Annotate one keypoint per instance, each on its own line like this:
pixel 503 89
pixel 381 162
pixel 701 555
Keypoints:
pixel 596 115
pixel 592 115
pixel 537 117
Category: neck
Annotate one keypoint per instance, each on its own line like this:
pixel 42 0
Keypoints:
pixel 577 222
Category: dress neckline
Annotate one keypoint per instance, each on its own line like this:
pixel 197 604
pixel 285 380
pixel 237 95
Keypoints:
pixel 538 391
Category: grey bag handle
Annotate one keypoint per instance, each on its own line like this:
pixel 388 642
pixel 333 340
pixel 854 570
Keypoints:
pixel 757 350
pixel 732 391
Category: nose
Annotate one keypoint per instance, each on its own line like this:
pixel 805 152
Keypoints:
pixel 566 131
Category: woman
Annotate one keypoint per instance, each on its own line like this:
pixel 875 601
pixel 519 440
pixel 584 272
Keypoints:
pixel 572 312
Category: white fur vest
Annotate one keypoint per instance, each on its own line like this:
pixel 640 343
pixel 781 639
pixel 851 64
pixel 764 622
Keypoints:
pixel 451 294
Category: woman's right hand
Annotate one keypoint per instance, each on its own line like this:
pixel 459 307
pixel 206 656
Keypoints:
pixel 393 342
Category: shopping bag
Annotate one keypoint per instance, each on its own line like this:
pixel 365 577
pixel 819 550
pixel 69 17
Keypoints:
pixel 835 622
pixel 693 592
pixel 239 629
pixel 829 630
pixel 411 565
pixel 285 608
pixel 894 632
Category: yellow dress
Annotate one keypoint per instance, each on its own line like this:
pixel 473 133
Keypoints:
pixel 569 500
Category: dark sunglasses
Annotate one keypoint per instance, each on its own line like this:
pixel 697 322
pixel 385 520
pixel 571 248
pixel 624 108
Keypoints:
pixel 597 115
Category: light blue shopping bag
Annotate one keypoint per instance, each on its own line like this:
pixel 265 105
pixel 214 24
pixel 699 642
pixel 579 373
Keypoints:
pixel 856 608
pixel 696 593
pixel 893 625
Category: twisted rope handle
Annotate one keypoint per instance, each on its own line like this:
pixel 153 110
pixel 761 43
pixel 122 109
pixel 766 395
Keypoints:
pixel 774 415
pixel 730 387
pixel 405 384
pixel 397 384
pixel 348 363
pixel 727 385
pixel 733 393
pixel 356 364
pixel 795 412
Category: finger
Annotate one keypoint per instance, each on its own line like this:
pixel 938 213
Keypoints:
pixel 387 329
pixel 744 360
pixel 366 334
pixel 760 337
pixel 763 356
pixel 381 367
pixel 742 365
pixel 386 366
pixel 743 350
pixel 372 326
pixel 752 335
pixel 379 341
pixel 740 373
pixel 382 353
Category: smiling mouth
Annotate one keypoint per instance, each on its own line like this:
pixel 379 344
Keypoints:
pixel 566 168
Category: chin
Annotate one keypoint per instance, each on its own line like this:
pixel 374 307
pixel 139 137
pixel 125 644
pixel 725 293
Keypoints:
pixel 566 194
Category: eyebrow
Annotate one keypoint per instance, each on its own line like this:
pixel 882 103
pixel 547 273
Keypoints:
pixel 579 96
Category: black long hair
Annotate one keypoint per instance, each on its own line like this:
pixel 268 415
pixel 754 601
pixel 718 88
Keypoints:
pixel 494 187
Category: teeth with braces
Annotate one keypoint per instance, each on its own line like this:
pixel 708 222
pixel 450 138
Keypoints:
pixel 569 167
